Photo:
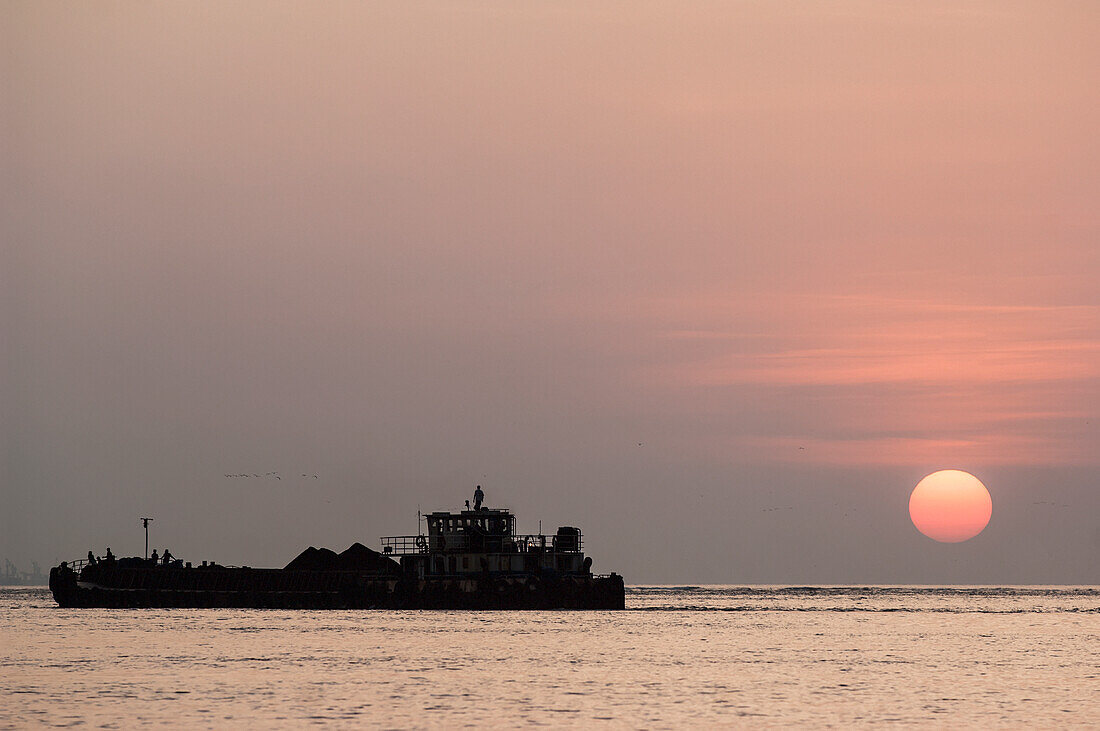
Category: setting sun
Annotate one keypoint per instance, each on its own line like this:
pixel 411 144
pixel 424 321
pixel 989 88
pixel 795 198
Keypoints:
pixel 950 506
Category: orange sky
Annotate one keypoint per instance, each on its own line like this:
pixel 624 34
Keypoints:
pixel 804 252
pixel 943 380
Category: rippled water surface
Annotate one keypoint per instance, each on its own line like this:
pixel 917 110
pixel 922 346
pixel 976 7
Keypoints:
pixel 677 656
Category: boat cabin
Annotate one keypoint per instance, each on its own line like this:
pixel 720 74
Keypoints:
pixel 472 542
pixel 477 530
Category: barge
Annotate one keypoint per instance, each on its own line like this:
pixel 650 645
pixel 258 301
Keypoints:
pixel 470 559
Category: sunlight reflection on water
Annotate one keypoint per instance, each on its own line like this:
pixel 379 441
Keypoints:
pixel 678 655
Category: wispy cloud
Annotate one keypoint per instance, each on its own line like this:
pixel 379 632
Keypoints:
pixel 887 380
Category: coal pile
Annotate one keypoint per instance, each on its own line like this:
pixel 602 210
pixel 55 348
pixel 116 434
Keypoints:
pixel 356 557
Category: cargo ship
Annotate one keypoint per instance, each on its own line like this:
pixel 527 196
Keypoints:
pixel 470 559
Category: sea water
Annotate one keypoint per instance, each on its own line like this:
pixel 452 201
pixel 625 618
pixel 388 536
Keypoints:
pixel 677 656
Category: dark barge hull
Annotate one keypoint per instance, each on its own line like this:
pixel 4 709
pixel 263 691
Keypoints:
pixel 116 587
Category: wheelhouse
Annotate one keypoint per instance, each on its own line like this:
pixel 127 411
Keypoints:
pixel 471 542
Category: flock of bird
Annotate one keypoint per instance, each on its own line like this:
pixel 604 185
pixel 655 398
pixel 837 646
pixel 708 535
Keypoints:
pixel 276 475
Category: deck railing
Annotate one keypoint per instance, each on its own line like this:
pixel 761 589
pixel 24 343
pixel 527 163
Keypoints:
pixel 458 543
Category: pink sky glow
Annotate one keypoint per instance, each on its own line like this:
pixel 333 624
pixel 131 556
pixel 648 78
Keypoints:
pixel 799 251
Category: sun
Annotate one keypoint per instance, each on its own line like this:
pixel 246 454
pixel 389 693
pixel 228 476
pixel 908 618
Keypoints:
pixel 950 506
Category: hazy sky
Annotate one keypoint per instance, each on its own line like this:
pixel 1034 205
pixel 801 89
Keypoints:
pixel 717 282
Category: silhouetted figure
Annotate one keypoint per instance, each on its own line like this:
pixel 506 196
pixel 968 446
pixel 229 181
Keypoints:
pixel 479 496
pixel 467 504
pixel 110 556
pixel 91 559
pixel 154 558
pixel 167 557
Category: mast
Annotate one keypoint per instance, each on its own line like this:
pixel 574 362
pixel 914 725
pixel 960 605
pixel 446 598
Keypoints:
pixel 145 522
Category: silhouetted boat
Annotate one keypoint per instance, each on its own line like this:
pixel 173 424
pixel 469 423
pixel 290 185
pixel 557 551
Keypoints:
pixel 472 559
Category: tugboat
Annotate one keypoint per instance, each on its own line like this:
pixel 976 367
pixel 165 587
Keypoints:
pixel 470 559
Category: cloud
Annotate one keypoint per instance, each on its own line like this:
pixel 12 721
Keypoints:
pixel 890 380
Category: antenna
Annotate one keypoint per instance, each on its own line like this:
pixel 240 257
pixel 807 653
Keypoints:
pixel 145 522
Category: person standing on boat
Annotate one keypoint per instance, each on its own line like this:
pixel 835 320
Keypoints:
pixel 479 496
